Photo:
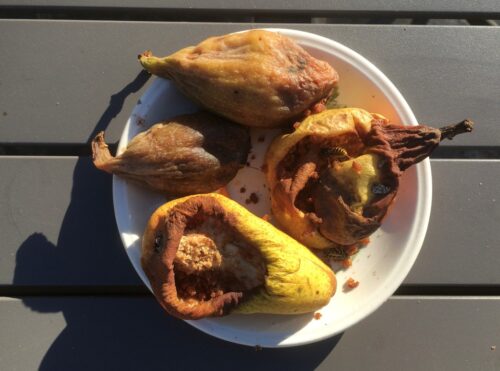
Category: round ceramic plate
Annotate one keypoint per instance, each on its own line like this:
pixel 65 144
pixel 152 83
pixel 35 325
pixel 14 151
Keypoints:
pixel 379 267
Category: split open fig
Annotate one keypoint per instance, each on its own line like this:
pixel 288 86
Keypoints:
pixel 193 153
pixel 334 178
pixel 205 255
pixel 256 78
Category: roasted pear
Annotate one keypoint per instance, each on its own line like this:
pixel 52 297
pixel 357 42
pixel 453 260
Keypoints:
pixel 256 78
pixel 194 153
pixel 205 255
pixel 334 178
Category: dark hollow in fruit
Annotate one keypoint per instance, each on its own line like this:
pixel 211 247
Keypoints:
pixel 333 179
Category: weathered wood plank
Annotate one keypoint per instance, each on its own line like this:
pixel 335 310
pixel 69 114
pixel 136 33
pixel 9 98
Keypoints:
pixel 485 7
pixel 102 333
pixel 62 81
pixel 462 239
pixel 58 226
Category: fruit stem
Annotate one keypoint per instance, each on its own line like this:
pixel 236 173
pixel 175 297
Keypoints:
pixel 448 132
pixel 101 156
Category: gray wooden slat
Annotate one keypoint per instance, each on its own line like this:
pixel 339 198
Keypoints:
pixel 461 245
pixel 436 6
pixel 57 225
pixel 103 333
pixel 63 80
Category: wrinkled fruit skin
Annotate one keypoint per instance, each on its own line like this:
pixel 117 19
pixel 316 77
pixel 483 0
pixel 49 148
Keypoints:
pixel 295 280
pixel 319 207
pixel 194 153
pixel 256 78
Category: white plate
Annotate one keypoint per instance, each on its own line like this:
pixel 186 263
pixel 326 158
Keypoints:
pixel 380 267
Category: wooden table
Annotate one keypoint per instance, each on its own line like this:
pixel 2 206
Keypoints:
pixel 69 297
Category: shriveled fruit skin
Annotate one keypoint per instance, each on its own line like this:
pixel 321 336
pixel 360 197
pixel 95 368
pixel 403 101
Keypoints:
pixel 321 194
pixel 296 280
pixel 256 78
pixel 340 123
pixel 194 153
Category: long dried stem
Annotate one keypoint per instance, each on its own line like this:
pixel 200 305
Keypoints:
pixel 448 132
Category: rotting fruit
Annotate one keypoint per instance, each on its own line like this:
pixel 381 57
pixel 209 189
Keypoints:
pixel 256 78
pixel 193 153
pixel 333 179
pixel 205 255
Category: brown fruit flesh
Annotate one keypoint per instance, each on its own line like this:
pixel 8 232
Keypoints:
pixel 196 153
pixel 191 283
pixel 309 201
pixel 206 255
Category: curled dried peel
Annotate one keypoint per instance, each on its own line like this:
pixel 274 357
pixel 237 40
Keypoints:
pixel 334 178
pixel 256 78
pixel 342 125
pixel 279 275
pixel 187 154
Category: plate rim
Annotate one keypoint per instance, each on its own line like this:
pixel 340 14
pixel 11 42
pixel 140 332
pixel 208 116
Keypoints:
pixel 423 177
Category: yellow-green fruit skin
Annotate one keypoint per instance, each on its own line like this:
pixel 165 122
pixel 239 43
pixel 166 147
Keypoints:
pixel 256 78
pixel 327 124
pixel 297 281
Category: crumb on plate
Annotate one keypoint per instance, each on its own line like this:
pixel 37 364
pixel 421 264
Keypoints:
pixel 253 199
pixel 364 241
pixel 223 191
pixel 346 263
pixel 351 283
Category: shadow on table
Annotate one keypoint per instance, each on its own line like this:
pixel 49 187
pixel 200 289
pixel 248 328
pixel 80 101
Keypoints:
pixel 88 248
pixel 117 333
pixel 122 332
